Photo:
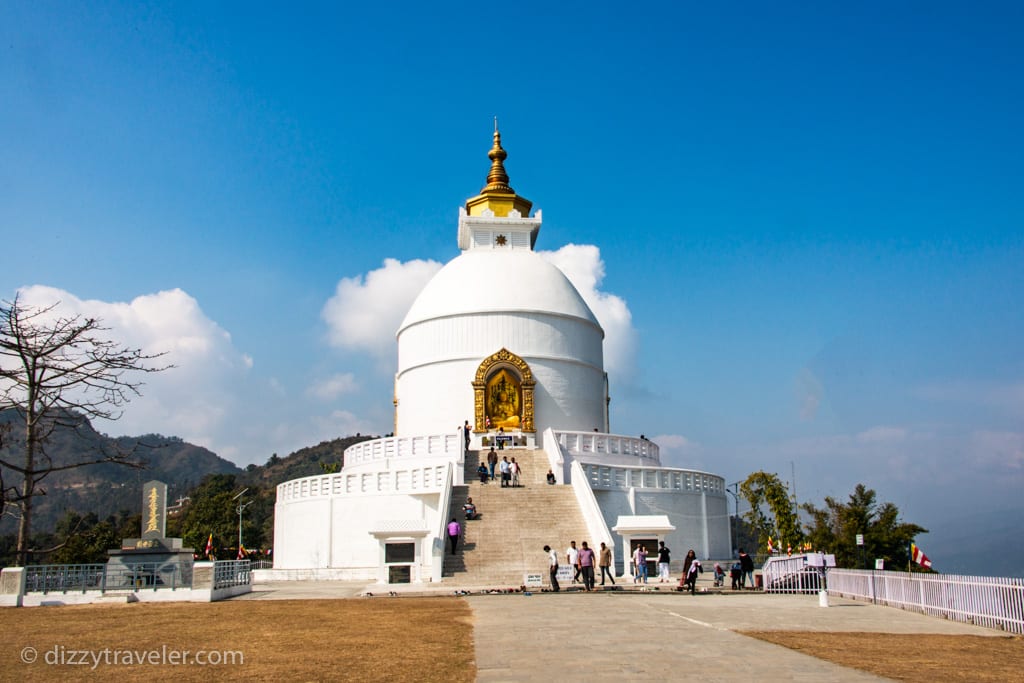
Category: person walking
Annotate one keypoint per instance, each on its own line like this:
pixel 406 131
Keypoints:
pixel 515 470
pixel 552 567
pixel 492 461
pixel 454 531
pixel 605 561
pixel 572 555
pixel 505 471
pixel 587 560
pixel 663 562
pixel 687 561
pixel 640 558
pixel 747 565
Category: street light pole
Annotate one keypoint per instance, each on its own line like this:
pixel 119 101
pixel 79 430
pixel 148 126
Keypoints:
pixel 734 491
pixel 241 509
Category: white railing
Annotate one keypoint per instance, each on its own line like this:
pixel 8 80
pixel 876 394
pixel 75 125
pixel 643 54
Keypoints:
pixel 597 528
pixel 428 478
pixel 609 477
pixel 984 601
pixel 791 574
pixel 437 445
pixel 437 546
pixel 556 457
pixel 597 443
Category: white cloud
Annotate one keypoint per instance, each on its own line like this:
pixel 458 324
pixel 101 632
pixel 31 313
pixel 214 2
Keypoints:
pixel 364 313
pixel 582 264
pixel 1001 451
pixel 190 400
pixel 334 386
pixel 1005 397
pixel 882 435
pixel 676 450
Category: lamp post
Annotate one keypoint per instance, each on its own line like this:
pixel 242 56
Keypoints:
pixel 241 508
pixel 734 491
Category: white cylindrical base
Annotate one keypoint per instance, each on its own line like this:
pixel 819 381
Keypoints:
pixel 822 598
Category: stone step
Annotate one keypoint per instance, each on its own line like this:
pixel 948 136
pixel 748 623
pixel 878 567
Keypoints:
pixel 515 523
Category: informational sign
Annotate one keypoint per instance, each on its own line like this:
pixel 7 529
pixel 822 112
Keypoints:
pixel 879 564
pixel 860 539
pixel 533 580
pixel 503 438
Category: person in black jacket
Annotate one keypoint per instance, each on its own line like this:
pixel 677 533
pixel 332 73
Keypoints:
pixel 747 567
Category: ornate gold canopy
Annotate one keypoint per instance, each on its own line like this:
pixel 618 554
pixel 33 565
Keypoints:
pixel 503 393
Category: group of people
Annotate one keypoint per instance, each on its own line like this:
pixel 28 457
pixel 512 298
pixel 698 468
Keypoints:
pixel 584 562
pixel 584 559
pixel 639 561
pixel 509 470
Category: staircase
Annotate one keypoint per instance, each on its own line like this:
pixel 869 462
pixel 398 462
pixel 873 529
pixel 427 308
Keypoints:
pixel 515 524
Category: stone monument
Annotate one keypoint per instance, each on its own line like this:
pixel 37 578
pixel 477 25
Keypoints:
pixel 152 560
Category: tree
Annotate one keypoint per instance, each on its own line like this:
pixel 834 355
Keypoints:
pixel 59 371
pixel 834 529
pixel 763 490
pixel 214 510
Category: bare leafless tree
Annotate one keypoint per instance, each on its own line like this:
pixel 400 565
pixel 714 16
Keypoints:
pixel 56 370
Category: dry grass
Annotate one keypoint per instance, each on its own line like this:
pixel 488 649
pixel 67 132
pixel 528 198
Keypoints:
pixel 405 639
pixel 911 657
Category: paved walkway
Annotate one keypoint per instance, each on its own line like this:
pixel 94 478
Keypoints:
pixel 620 636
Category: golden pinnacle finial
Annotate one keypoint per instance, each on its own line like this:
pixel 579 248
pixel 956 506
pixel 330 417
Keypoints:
pixel 497 196
pixel 497 179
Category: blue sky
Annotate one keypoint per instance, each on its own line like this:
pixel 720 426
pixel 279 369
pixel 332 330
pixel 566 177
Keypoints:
pixel 808 216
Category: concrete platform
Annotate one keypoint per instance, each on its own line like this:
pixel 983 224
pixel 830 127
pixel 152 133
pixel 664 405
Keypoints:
pixel 637 635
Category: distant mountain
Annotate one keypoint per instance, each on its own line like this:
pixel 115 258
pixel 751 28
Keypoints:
pixel 106 488
pixel 984 543
pixel 304 462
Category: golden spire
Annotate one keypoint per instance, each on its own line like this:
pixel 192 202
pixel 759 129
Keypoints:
pixel 497 195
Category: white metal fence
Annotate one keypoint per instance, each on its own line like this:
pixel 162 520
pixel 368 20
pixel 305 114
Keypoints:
pixel 985 601
pixel 790 574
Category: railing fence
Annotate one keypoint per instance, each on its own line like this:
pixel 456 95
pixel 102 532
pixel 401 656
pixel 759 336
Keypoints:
pixel 993 602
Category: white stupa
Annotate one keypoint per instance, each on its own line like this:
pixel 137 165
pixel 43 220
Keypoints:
pixel 499 337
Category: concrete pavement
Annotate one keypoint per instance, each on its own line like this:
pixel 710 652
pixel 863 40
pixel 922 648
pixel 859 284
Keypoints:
pixel 624 636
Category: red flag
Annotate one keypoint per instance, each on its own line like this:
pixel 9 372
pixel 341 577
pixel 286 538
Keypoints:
pixel 209 546
pixel 917 555
pixel 241 552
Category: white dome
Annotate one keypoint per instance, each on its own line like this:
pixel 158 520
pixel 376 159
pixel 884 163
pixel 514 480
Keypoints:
pixel 495 281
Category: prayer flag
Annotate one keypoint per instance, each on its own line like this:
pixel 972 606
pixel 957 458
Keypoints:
pixel 209 546
pixel 241 552
pixel 917 555
pixel 770 548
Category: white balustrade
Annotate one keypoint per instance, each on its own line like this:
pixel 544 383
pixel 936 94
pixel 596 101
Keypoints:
pixel 621 477
pixel 428 478
pixel 597 443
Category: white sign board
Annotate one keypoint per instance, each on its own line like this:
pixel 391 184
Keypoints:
pixel 860 539
pixel 879 564
pixel 533 580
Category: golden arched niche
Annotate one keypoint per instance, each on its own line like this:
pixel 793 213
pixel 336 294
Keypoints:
pixel 503 393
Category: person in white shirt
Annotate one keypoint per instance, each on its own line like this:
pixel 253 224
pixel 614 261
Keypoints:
pixel 573 556
pixel 515 469
pixel 552 567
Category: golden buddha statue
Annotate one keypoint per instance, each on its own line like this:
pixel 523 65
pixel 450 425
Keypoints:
pixel 503 402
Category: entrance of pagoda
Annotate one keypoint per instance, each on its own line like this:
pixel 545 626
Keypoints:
pixel 503 400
